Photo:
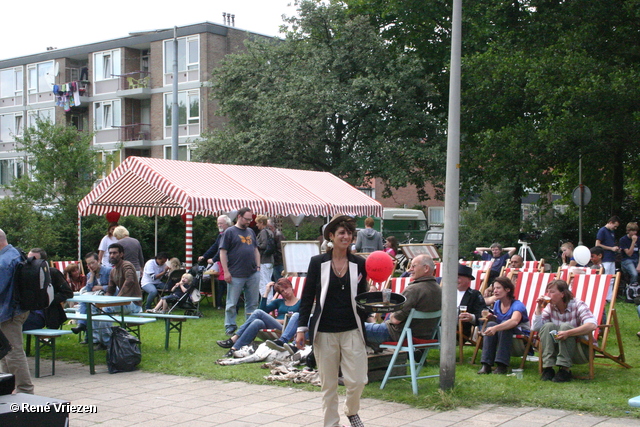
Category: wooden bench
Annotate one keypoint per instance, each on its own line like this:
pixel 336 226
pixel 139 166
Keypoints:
pixel 44 338
pixel 131 323
pixel 172 322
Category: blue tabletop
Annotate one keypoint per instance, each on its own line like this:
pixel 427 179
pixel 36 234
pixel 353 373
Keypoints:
pixel 102 299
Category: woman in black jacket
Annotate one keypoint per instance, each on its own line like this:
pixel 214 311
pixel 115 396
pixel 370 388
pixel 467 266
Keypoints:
pixel 336 329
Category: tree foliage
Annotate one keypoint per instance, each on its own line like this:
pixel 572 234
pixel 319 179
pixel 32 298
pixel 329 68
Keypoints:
pixel 543 82
pixel 331 96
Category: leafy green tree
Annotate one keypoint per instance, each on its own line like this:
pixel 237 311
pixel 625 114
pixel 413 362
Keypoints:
pixel 332 96
pixel 26 227
pixel 62 169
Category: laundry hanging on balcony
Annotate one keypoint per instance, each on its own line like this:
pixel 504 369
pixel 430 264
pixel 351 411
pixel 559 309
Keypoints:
pixel 68 95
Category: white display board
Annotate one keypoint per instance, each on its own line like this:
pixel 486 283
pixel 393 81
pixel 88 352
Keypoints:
pixel 296 254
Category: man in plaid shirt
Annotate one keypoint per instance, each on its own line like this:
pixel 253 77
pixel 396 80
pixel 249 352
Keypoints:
pixel 560 324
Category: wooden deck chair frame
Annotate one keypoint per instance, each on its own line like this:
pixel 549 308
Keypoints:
pixel 529 286
pixel 409 344
pixel 583 286
pixel 273 334
pixel 565 273
pixel 61 265
pixel 480 283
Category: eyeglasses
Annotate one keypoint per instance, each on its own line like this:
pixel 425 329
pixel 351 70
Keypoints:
pixel 247 219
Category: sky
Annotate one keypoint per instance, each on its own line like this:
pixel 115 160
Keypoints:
pixel 30 26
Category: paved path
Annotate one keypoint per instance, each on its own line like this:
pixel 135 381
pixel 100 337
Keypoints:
pixel 157 400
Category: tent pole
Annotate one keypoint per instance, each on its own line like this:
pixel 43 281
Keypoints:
pixel 156 232
pixel 189 240
pixel 79 236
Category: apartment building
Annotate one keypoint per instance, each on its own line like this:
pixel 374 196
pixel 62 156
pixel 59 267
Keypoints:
pixel 120 89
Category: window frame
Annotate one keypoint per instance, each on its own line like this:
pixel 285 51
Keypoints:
pixel 34 87
pixel 188 95
pixel 18 87
pixel 109 112
pixel 189 62
pixel 114 64
pixel 435 209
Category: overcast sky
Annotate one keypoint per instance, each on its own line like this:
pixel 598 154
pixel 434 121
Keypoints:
pixel 30 26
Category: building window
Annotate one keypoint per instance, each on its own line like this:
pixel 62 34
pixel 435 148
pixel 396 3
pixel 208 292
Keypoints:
pixel 11 169
pixel 11 82
pixel 10 126
pixel 188 108
pixel 436 215
pixel 184 152
pixel 40 77
pixel 106 65
pixel 111 159
pixel 45 114
pixel 188 54
pixel 106 114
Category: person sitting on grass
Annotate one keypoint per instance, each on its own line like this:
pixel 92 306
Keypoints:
pixel 177 291
pixel 509 318
pixel 571 320
pixel 261 319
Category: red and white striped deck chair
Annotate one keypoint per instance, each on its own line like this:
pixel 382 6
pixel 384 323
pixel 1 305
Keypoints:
pixel 533 265
pixel 480 272
pixel 438 270
pixel 273 334
pixel 592 289
pixel 564 273
pixel 61 265
pixel 398 284
pixel 529 286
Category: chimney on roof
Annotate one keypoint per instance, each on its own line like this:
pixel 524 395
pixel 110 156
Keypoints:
pixel 228 19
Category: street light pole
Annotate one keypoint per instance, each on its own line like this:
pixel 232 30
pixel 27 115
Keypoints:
pixel 451 206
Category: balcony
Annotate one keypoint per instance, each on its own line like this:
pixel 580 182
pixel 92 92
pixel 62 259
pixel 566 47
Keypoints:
pixel 135 132
pixel 135 85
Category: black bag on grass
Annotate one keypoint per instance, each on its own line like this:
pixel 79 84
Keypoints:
pixel 123 354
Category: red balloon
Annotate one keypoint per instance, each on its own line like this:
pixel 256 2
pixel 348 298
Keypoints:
pixel 113 216
pixel 379 266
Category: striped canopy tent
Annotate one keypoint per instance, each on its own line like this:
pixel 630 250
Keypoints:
pixel 157 187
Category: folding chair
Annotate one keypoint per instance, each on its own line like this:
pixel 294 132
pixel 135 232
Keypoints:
pixel 61 265
pixel 398 284
pixel 533 266
pixel 273 334
pixel 529 286
pixel 592 289
pixel 409 344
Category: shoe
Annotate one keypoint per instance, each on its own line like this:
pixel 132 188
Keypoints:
pixel 548 374
pixel 228 343
pixel 355 421
pixel 80 328
pixel 84 342
pixel 151 310
pixel 229 354
pixel 99 347
pixel 230 331
pixel 562 376
pixel 486 369
pixel 501 370
pixel 275 345
pixel 292 349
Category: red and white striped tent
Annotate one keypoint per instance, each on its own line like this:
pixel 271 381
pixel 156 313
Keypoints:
pixel 158 187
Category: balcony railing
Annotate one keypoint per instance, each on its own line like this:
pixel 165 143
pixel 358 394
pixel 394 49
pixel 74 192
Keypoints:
pixel 135 80
pixel 135 132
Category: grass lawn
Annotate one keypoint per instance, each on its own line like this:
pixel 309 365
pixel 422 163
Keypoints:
pixel 606 395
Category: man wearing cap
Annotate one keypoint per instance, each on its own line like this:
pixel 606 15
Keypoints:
pixel 423 294
pixel 470 298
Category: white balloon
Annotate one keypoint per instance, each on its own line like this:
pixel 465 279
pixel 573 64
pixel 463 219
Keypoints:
pixel 582 255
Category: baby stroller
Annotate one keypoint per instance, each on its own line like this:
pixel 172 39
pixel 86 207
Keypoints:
pixel 190 300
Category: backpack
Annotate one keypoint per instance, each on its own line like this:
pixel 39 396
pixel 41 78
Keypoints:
pixel 271 244
pixel 32 287
pixel 633 292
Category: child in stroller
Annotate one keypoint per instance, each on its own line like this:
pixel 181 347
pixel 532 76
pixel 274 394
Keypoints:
pixel 178 290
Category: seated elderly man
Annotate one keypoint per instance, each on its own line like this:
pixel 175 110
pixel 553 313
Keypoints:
pixel 469 298
pixel 516 261
pixel 571 320
pixel 423 294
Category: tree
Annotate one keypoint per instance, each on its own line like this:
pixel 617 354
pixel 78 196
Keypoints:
pixel 332 96
pixel 62 169
pixel 543 81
